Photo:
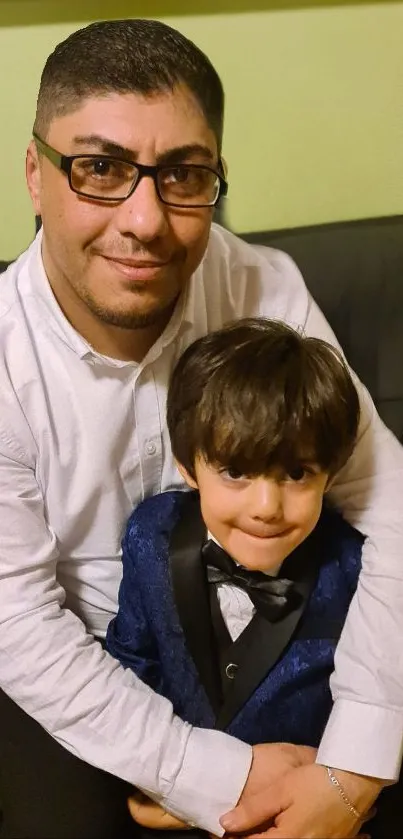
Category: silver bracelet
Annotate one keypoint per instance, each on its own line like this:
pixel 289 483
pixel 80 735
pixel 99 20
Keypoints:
pixel 333 780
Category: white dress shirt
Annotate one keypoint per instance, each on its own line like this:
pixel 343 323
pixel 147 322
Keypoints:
pixel 236 608
pixel 83 440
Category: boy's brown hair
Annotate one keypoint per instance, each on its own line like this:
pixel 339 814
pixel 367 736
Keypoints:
pixel 257 395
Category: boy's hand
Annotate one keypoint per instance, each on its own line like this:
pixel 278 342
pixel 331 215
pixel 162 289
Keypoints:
pixel 146 812
pixel 303 804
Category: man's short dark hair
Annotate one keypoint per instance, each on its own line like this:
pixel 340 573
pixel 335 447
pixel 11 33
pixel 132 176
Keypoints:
pixel 127 56
pixel 257 395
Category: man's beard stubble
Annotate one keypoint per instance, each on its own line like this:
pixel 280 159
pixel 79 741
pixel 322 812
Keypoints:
pixel 130 320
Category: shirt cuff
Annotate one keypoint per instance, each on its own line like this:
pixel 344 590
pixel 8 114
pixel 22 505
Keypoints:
pixel 210 781
pixel 364 739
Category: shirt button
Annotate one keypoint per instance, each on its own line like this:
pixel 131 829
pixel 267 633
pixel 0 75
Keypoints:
pixel 150 448
pixel 230 670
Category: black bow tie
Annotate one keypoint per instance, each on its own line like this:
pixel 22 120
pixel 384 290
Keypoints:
pixel 273 597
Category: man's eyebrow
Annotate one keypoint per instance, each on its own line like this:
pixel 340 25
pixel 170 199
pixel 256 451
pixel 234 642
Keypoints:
pixel 103 146
pixel 179 154
pixel 185 153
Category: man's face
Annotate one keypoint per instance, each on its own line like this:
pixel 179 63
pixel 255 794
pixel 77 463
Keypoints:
pixel 124 263
pixel 259 521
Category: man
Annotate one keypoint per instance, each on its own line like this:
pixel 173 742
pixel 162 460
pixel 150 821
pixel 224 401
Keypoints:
pixel 125 168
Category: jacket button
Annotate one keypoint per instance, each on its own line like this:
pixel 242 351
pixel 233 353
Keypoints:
pixel 230 670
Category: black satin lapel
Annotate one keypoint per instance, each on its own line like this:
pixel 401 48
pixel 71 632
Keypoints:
pixel 261 644
pixel 191 593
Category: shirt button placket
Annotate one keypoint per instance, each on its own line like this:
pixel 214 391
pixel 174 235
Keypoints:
pixel 148 427
pixel 150 448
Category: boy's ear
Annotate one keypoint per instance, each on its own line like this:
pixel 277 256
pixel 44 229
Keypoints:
pixel 185 474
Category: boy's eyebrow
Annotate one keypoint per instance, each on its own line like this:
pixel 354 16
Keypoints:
pixel 178 154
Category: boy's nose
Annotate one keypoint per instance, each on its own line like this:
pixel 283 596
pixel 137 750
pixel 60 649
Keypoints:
pixel 266 499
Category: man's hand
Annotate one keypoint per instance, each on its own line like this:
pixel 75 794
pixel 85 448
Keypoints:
pixel 146 812
pixel 303 804
pixel 270 762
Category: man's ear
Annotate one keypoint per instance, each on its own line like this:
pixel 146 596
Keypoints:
pixel 224 166
pixel 33 176
pixel 185 474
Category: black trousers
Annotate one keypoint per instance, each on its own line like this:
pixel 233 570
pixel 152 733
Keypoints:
pixel 47 793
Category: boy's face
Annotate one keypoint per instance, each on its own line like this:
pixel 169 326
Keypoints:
pixel 259 521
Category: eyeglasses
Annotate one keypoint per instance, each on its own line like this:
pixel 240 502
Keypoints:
pixel 106 178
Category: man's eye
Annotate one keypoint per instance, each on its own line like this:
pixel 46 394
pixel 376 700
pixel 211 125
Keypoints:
pixel 101 167
pixel 177 175
pixel 195 177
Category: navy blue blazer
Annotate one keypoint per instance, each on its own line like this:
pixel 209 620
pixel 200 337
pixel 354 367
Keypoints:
pixel 163 629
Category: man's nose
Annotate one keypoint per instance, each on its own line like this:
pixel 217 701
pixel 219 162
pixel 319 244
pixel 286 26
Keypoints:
pixel 266 499
pixel 143 215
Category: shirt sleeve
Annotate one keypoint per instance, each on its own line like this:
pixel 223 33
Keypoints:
pixel 364 733
pixel 60 675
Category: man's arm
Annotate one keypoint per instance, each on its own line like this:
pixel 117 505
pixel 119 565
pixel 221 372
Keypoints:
pixel 364 733
pixel 61 676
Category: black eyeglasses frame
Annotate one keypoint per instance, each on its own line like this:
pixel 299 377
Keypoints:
pixel 65 164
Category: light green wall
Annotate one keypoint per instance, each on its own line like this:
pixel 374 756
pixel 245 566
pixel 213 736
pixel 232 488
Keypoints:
pixel 314 128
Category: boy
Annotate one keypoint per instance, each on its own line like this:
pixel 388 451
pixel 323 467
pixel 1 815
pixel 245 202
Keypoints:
pixel 234 595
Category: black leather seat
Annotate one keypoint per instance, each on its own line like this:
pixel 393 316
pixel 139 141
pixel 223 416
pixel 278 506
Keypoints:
pixel 354 271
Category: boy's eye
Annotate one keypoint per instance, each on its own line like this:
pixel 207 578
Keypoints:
pixel 297 473
pixel 232 474
pixel 301 472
